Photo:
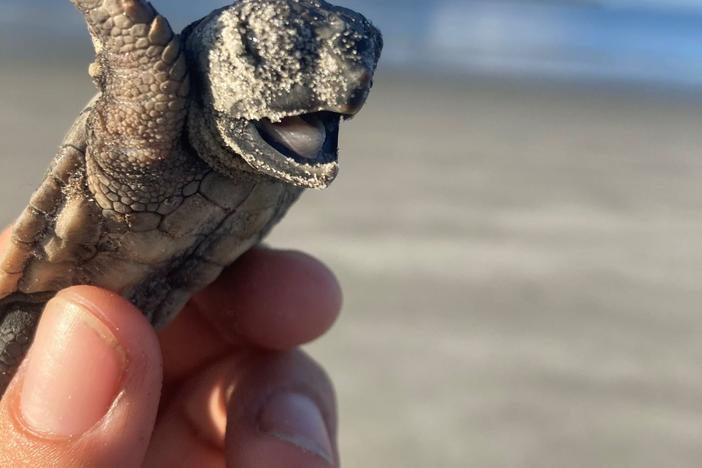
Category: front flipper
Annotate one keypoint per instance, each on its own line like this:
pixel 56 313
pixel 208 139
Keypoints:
pixel 142 74
pixel 135 160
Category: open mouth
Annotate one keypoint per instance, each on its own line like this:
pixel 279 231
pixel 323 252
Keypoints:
pixel 308 139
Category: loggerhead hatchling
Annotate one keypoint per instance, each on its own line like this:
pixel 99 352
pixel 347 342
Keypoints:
pixel 194 147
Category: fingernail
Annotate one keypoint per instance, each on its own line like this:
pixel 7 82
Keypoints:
pixel 296 419
pixel 74 371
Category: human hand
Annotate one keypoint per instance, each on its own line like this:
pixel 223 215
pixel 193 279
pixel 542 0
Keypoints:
pixel 221 386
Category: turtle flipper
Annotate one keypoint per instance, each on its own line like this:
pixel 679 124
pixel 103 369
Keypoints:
pixel 18 320
pixel 22 270
pixel 134 158
pixel 142 75
pixel 26 280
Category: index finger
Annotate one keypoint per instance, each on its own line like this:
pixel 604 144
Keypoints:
pixel 268 299
pixel 5 238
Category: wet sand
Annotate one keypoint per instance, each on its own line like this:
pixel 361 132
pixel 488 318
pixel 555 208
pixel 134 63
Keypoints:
pixel 521 262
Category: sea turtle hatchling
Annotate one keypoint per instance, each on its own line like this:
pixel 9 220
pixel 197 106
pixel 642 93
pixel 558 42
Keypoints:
pixel 194 147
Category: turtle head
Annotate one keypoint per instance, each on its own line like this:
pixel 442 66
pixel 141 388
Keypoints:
pixel 274 78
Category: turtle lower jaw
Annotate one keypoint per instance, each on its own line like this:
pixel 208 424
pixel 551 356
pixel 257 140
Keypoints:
pixel 288 151
pixel 309 139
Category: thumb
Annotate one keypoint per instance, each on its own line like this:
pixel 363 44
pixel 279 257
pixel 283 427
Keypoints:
pixel 88 391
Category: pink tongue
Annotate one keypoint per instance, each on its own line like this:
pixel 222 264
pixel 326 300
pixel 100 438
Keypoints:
pixel 303 138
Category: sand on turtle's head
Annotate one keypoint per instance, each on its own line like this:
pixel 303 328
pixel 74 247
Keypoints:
pixel 274 58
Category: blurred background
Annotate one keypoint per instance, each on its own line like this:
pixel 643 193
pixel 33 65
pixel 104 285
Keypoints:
pixel 516 225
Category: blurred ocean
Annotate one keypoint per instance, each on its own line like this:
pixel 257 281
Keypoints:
pixel 640 40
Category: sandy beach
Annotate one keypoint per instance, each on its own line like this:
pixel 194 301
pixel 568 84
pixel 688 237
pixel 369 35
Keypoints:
pixel 521 263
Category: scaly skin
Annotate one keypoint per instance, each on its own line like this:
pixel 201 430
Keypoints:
pixel 165 179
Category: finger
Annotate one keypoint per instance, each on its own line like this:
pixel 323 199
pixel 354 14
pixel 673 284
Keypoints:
pixel 88 392
pixel 5 238
pixel 190 431
pixel 281 413
pixel 268 299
